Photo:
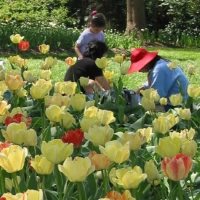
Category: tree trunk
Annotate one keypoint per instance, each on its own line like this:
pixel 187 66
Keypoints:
pixel 135 20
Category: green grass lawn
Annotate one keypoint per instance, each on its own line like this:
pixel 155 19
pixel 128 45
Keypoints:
pixel 184 57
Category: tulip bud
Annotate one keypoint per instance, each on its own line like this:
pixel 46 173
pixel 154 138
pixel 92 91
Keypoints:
pixel 151 170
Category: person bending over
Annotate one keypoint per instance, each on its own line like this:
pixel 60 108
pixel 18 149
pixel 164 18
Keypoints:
pixel 86 67
pixel 166 79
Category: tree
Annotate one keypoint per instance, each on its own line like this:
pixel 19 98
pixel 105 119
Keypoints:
pixel 135 20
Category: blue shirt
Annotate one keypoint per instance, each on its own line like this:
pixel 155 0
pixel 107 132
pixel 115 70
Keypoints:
pixel 87 36
pixel 167 81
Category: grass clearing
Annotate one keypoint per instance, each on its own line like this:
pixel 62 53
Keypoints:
pixel 183 57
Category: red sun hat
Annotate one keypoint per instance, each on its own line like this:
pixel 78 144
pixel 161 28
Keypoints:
pixel 140 57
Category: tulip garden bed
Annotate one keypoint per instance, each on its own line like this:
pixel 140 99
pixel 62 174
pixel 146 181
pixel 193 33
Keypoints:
pixel 56 144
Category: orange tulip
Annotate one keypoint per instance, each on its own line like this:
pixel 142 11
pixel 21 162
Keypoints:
pixel 114 195
pixel 100 161
pixel 177 167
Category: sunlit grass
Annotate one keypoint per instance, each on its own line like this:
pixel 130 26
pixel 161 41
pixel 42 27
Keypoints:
pixel 184 57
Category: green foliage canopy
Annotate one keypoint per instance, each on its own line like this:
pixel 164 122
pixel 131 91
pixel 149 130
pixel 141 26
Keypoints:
pixel 34 11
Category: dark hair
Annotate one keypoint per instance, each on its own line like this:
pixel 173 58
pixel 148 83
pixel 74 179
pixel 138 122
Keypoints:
pixel 95 49
pixel 97 20
pixel 153 62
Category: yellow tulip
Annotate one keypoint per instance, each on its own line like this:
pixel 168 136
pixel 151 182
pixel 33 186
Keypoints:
pixel 116 151
pixel 28 76
pixel 168 147
pixel 102 62
pixel 150 93
pixel 57 99
pixel 44 48
pixel 19 134
pixel 172 119
pixel 135 140
pixel 18 61
pixel 189 147
pixel 99 135
pixel 161 125
pixel 183 134
pixel 41 165
pixel 189 133
pixel 12 158
pixel 45 74
pixel 17 38
pixel 54 113
pixel 78 169
pixel 21 92
pixel 34 194
pixel 40 89
pixel 193 91
pixel 56 151
pixel 148 104
pixel 87 122
pixel 105 117
pixel 176 99
pixel 151 170
pixel 30 138
pixel 163 101
pixel 18 196
pixel 146 134
pixel 78 102
pixel 67 88
pixel 124 69
pixel 67 120
pixel 4 106
pixel 91 112
pixel 128 178
pixel 119 58
pixel 184 114
pixel 48 63
pixel 14 81
pixel 108 75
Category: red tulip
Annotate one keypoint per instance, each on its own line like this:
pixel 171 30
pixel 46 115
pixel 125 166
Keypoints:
pixel 177 167
pixel 2 198
pixel 17 118
pixel 24 45
pixel 73 136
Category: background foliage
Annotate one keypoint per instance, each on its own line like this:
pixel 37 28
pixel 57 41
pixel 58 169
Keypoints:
pixel 169 22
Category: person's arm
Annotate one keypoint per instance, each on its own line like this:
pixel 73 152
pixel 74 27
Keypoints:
pixel 78 52
pixel 160 81
pixel 103 83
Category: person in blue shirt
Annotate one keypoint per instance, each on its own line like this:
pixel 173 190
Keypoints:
pixel 162 76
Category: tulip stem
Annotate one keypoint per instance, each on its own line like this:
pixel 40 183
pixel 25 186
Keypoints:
pixel 59 183
pixel 180 193
pixel 2 181
pixel 81 191
pixel 16 185
pixel 105 181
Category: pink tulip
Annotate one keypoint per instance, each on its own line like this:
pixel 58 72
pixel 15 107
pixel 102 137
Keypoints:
pixel 177 167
